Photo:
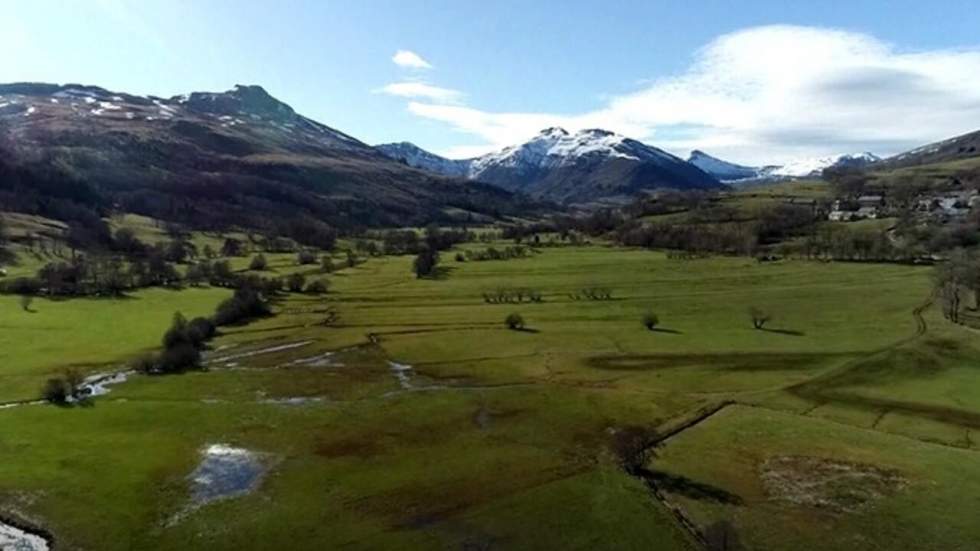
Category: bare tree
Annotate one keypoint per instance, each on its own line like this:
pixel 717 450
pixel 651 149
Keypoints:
pixel 954 278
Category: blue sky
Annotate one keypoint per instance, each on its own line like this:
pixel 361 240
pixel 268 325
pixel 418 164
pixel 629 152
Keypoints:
pixel 757 82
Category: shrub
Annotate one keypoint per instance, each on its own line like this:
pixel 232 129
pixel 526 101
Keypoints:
pixel 460 257
pixel 295 283
pixel 326 264
pixel 145 364
pixel 56 391
pixel 200 330
pixel 306 257
pixel 247 303
pixel 317 287
pixel 650 321
pixel 514 322
pixel 259 263
pixel 21 286
pixel 178 358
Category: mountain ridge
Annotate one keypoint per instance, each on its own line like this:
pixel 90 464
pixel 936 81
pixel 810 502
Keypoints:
pixel 214 158
pixel 570 167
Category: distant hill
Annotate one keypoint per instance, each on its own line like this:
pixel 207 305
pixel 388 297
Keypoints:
pixel 569 168
pixel 236 157
pixel 962 147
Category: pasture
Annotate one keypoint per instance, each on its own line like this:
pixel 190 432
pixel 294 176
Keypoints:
pixel 398 412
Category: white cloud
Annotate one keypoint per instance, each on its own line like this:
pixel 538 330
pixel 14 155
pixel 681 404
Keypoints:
pixel 420 90
pixel 771 94
pixel 410 59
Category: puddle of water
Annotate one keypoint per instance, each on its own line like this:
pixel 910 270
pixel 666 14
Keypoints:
pixel 270 350
pixel 15 539
pixel 224 472
pixel 322 360
pixel 402 373
pixel 98 384
pixel 10 405
pixel 293 401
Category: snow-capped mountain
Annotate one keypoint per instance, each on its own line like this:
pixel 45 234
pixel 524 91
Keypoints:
pixel 415 156
pixel 801 168
pixel 576 167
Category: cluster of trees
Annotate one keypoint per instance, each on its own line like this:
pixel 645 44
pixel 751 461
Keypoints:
pixel 400 242
pixel 493 253
pixel 512 295
pixel 182 346
pixel 957 282
pixel 127 263
pixel 739 238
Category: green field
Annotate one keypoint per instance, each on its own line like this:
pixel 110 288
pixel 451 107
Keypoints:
pixel 500 438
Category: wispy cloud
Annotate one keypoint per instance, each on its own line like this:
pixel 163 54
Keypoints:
pixel 420 90
pixel 410 59
pixel 769 94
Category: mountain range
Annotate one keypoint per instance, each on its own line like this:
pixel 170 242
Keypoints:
pixel 236 157
pixel 804 168
pixel 242 157
pixel 567 167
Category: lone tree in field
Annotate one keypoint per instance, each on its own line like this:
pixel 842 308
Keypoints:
pixel 25 302
pixel 326 264
pixel 259 263
pixel 759 317
pixel 650 321
pixel 514 322
pixel 425 263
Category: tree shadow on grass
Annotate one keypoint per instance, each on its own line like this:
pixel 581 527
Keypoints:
pixel 789 332
pixel 690 488
pixel 526 330
pixel 440 273
pixel 666 330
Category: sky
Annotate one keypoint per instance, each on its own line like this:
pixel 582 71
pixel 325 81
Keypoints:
pixel 756 82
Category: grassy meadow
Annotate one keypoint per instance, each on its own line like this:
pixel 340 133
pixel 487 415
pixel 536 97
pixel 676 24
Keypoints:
pixel 502 438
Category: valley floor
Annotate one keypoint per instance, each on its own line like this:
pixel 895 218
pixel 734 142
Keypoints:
pixel 400 413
